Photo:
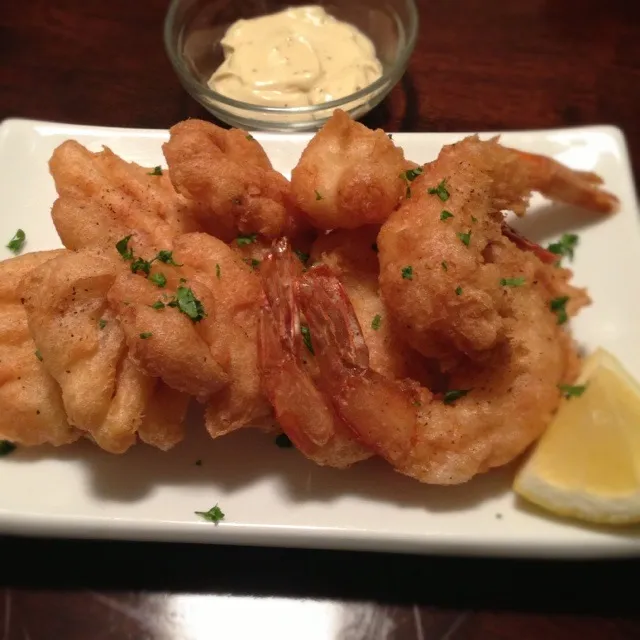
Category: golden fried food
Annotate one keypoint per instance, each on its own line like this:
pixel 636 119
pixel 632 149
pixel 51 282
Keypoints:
pixel 413 323
pixel 352 256
pixel 303 411
pixel 83 348
pixel 163 421
pixel 349 176
pixel 230 181
pixel 164 341
pixel 32 410
pixel 490 414
pixel 237 294
pixel 102 198
pixel 437 274
pixel 197 330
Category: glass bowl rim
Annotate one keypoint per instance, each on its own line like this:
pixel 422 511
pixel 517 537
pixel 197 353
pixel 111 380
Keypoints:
pixel 203 90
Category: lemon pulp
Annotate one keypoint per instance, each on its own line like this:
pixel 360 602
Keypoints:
pixel 587 463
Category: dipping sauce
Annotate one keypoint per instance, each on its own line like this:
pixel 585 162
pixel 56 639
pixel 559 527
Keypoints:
pixel 298 57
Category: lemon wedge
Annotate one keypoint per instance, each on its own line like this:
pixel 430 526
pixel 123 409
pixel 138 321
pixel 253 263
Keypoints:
pixel 587 463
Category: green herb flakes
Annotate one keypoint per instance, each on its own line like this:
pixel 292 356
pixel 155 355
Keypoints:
pixel 17 242
pixel 214 514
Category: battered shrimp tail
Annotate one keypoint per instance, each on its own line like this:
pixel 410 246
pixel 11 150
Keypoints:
pixel 381 411
pixel 303 411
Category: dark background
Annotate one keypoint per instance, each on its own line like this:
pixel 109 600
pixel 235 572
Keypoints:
pixel 479 65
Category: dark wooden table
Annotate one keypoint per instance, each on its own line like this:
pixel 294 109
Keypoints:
pixel 499 64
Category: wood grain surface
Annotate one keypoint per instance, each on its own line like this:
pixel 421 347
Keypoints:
pixel 479 65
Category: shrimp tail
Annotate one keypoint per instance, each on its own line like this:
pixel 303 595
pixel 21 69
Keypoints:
pixel 381 412
pixel 286 386
pixel 558 182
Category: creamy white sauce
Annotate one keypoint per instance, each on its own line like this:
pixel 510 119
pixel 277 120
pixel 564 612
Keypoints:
pixel 298 57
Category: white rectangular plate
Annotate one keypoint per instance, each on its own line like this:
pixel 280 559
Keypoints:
pixel 274 496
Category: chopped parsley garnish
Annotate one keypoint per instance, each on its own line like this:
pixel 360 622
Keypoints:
pixel 440 191
pixel 409 176
pixel 444 215
pixel 188 304
pixel 157 305
pixel 458 291
pixel 306 338
pixel 565 246
pixel 249 137
pixel 407 273
pixel 15 244
pixel 444 265
pixel 455 394
pixel 6 447
pixel 214 514
pixel 123 248
pixel 571 391
pixel 512 282
pixel 38 355
pixel 157 171
pixel 558 306
pixel 102 323
pixel 166 257
pixel 416 403
pixel 465 238
pixel 158 279
pixel 145 335
pixel 412 174
pixel 376 322
pixel 243 241
pixel 304 257
pixel 283 441
pixel 140 264
pixel 474 219
pixel 218 271
pixel 374 246
pixel 318 195
pixel 252 262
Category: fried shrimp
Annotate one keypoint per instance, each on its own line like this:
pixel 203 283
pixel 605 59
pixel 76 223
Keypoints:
pixel 192 321
pixel 352 256
pixel 32 410
pixel 82 346
pixel 349 176
pixel 237 293
pixel 163 340
pixel 303 411
pixel 437 275
pixel 490 414
pixel 229 179
pixel 102 198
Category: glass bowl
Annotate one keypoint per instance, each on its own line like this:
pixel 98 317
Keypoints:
pixel 193 30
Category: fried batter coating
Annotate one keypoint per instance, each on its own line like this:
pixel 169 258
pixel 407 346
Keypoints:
pixel 352 256
pixel 230 181
pixel 349 176
pixel 163 341
pixel 237 294
pixel 32 410
pixel 82 345
pixel 212 357
pixel 442 240
pixel 163 422
pixel 102 198
pixel 491 413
